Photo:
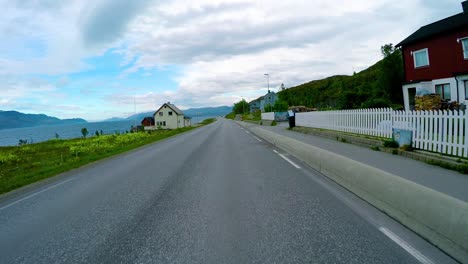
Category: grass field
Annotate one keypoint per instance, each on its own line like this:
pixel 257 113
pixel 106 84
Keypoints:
pixel 23 165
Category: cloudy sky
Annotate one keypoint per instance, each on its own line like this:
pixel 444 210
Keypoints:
pixel 92 59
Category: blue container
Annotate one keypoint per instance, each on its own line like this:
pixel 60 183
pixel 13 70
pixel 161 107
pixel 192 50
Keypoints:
pixel 402 136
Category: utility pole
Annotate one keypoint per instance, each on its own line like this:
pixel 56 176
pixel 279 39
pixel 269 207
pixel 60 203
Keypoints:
pixel 268 81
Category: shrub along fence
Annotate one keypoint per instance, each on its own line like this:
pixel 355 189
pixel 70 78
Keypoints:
pixel 441 131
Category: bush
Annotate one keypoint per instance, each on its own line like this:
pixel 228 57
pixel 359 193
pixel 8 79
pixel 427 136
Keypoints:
pixel 390 144
pixel 231 115
pixel 273 123
pixel 407 148
pixel 376 103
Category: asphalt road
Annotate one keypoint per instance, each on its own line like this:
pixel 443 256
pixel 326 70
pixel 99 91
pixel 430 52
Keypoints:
pixel 213 195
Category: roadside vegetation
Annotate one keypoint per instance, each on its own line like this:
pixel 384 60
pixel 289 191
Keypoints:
pixel 28 163
pixel 377 86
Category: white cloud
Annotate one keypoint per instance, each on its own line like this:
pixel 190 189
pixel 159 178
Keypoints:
pixel 223 47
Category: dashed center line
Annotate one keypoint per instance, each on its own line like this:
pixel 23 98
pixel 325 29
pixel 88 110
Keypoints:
pixel 288 160
pixel 247 132
pixel 257 139
pixel 415 253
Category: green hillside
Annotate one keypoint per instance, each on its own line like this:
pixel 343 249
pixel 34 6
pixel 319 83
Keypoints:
pixel 377 86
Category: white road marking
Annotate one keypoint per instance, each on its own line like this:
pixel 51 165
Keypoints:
pixel 247 132
pixel 286 159
pixel 416 254
pixel 257 139
pixel 34 194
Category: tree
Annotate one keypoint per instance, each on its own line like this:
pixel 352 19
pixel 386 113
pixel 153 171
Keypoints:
pixel 387 50
pixel 268 108
pixel 282 87
pixel 84 132
pixel 241 107
pixel 391 75
pixel 280 106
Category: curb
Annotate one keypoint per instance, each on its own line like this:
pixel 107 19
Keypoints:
pixel 439 218
pixel 427 157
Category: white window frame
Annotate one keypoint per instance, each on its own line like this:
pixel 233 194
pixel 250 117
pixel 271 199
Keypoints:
pixel 465 52
pixel 442 85
pixel 465 82
pixel 427 56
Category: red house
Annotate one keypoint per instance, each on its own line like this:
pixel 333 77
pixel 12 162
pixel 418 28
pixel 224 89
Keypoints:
pixel 436 60
pixel 147 121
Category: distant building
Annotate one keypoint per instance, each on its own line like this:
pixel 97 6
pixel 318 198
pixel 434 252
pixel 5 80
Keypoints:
pixel 259 104
pixel 147 121
pixel 255 104
pixel 168 116
pixel 269 99
pixel 436 60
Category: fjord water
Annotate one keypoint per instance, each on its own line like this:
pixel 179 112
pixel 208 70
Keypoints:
pixel 11 137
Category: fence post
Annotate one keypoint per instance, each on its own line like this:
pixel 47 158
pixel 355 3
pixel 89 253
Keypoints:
pixel 464 134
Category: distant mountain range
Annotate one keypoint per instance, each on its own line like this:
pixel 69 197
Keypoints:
pixel 14 119
pixel 191 112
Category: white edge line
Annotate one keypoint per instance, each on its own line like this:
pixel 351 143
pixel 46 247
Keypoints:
pixel 34 194
pixel 247 132
pixel 415 253
pixel 257 139
pixel 288 160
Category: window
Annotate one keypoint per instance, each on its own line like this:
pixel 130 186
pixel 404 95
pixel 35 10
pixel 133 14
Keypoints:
pixel 164 123
pixel 465 48
pixel 443 90
pixel 170 112
pixel 466 90
pixel 421 58
pixel 161 114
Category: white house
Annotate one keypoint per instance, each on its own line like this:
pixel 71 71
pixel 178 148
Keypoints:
pixel 168 116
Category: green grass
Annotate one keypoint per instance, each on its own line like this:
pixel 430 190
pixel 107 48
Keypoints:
pixel 23 165
pixel 208 121
pixel 231 115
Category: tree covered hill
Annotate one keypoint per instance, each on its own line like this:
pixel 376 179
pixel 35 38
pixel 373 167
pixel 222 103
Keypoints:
pixel 377 86
pixel 14 119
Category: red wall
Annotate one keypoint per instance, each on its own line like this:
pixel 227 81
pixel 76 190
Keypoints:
pixel 445 57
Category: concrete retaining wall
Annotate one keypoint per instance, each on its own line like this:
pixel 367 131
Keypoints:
pixel 441 219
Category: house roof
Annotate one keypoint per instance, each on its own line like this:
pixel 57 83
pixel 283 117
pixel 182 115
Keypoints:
pixel 173 107
pixel 262 97
pixel 256 100
pixel 445 25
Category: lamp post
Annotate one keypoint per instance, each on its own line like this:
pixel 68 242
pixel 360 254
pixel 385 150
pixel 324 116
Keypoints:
pixel 268 81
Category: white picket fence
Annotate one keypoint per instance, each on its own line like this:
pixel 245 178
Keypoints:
pixel 436 131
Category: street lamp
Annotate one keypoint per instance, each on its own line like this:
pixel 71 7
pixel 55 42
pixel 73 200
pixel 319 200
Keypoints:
pixel 268 81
